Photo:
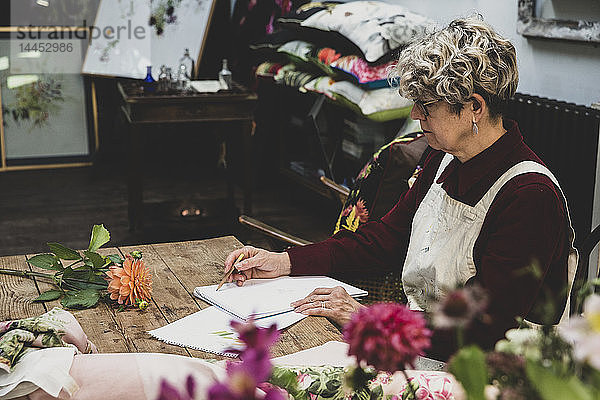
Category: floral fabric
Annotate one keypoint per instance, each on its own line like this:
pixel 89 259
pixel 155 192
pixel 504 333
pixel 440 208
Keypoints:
pixel 327 382
pixel 56 328
pixel 370 77
pixel 379 184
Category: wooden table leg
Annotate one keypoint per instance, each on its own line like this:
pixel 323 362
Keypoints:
pixel 248 184
pixel 135 178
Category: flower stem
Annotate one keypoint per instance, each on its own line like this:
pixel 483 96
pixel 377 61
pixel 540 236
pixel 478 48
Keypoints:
pixel 410 386
pixel 460 337
pixel 32 274
pixel 25 274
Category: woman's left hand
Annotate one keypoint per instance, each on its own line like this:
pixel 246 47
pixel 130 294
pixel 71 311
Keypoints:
pixel 334 303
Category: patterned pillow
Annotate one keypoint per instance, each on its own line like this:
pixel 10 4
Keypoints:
pixel 376 28
pixel 367 76
pixel 377 105
pixel 382 181
pixel 289 75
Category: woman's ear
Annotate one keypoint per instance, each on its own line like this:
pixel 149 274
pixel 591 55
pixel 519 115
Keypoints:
pixel 478 106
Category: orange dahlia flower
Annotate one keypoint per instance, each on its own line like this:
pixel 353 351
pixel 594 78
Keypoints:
pixel 130 283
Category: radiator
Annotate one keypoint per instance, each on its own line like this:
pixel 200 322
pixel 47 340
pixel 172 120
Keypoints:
pixel 565 137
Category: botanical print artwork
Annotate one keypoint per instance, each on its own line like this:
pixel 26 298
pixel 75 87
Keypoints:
pixel 163 14
pixel 35 102
pixel 105 52
pixel 130 37
pixel 127 9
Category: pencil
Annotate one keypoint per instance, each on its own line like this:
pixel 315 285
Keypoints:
pixel 228 274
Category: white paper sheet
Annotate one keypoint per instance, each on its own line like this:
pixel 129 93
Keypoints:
pixel 206 86
pixel 210 330
pixel 263 297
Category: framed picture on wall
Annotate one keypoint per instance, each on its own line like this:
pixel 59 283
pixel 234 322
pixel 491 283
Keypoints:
pixel 573 20
pixel 130 35
pixel 45 118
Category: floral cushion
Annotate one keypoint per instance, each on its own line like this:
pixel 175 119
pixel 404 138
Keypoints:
pixel 382 181
pixel 378 105
pixel 375 28
pixel 369 77
pixel 297 50
pixel 289 75
pixel 329 382
pixel 334 64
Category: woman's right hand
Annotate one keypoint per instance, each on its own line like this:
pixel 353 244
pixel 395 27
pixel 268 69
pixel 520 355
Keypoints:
pixel 257 263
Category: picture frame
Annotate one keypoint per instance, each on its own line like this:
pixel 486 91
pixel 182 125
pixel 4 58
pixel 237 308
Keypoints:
pixel 130 35
pixel 45 119
pixel 530 25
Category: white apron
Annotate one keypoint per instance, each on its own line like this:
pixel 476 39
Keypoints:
pixel 443 235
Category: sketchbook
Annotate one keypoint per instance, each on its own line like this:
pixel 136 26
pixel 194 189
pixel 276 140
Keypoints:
pixel 260 298
pixel 210 330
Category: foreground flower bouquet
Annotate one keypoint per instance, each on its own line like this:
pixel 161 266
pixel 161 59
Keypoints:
pixel 81 278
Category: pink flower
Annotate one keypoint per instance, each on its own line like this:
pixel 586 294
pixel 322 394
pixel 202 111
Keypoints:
pixel 170 392
pixel 387 336
pixel 431 386
pixel 255 366
pixel 304 381
pixel 361 211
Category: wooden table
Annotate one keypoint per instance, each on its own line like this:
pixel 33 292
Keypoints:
pixel 177 268
pixel 234 110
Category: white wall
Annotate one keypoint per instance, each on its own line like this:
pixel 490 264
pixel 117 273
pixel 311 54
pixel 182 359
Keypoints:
pixel 568 71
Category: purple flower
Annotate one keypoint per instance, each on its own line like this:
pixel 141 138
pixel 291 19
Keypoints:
pixel 254 368
pixel 387 336
pixel 459 308
pixel 170 392
pixel 254 337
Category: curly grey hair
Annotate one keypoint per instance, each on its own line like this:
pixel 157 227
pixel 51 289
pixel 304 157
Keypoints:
pixel 451 64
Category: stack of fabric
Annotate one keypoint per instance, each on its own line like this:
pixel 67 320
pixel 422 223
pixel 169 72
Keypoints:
pixel 345 51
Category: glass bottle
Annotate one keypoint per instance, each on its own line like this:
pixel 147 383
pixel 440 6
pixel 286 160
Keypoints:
pixel 163 85
pixel 171 83
pixel 149 82
pixel 189 64
pixel 182 77
pixel 225 77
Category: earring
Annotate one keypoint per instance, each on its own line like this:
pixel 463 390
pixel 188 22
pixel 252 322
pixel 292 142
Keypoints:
pixel 475 128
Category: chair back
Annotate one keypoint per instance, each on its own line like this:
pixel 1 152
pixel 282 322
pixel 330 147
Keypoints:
pixel 583 274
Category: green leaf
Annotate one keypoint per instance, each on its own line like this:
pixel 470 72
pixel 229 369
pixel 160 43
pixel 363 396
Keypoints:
pixel 100 236
pixel 45 261
pixel 115 258
pixel 377 393
pixel 49 295
pixel 64 253
pixel 96 259
pixel 80 299
pixel 287 379
pixel 551 386
pixel 469 367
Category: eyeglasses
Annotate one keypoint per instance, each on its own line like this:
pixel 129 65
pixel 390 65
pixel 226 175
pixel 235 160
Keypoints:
pixel 422 107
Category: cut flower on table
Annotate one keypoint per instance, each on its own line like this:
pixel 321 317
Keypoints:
pixel 81 278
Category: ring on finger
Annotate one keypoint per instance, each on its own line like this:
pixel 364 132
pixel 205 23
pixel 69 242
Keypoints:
pixel 322 304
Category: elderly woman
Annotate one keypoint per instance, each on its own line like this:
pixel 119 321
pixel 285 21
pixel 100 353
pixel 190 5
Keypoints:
pixel 484 210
